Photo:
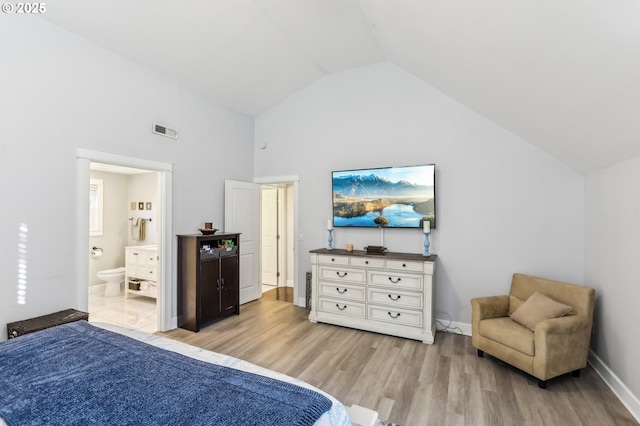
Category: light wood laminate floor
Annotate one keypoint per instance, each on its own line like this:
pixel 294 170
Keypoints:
pixel 406 381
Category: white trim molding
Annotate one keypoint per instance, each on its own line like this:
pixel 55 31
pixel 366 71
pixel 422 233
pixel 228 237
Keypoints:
pixel 277 179
pixel 84 157
pixel 295 180
pixel 448 326
pixel 621 390
pixel 123 160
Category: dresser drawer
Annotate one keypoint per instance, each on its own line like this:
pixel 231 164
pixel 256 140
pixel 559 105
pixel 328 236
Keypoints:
pixel 395 280
pixel 392 298
pixel 395 316
pixel 367 262
pixel 404 265
pixel 342 292
pixel 351 309
pixel 333 260
pixel 346 275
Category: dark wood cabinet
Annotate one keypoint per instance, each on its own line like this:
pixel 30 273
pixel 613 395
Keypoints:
pixel 208 279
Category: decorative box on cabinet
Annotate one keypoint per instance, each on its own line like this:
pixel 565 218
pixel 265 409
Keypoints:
pixel 208 279
pixel 141 265
pixel 390 293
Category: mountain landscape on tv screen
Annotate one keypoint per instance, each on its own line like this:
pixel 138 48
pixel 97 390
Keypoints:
pixel 359 199
pixel 374 186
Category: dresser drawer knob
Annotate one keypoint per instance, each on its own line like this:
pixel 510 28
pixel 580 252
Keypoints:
pixel 394 298
pixel 343 307
pixel 396 281
pixel 341 276
pixel 341 291
pixel 404 265
pixel 332 259
pixel 394 316
pixel 366 262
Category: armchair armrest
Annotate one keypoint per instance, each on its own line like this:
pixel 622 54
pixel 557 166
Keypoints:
pixel 561 345
pixel 563 325
pixel 489 307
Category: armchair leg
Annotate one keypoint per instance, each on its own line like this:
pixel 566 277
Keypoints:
pixel 542 384
pixel 575 373
pixel 480 353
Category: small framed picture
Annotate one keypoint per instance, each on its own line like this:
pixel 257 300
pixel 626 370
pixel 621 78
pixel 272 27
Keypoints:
pixel 140 205
pixel 133 205
pixel 148 205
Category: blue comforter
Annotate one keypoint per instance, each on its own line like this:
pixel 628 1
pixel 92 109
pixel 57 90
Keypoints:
pixel 78 374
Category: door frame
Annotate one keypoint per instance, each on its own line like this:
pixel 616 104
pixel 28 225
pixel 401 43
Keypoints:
pixel 291 180
pixel 84 157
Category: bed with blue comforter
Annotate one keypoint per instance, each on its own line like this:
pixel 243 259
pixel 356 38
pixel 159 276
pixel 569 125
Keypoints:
pixel 81 374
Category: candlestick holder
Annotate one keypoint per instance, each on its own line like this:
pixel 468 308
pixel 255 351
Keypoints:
pixel 426 244
pixel 330 240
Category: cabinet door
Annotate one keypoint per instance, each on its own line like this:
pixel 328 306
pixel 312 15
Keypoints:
pixel 131 260
pixel 209 300
pixel 229 285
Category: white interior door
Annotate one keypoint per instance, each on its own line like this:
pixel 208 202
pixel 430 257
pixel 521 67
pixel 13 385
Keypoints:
pixel 269 235
pixel 242 214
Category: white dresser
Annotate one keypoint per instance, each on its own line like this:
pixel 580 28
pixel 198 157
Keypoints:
pixel 389 293
pixel 141 271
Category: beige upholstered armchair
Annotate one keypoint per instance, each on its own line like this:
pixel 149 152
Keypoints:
pixel 542 327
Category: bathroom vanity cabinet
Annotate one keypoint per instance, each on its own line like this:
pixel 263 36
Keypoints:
pixel 208 279
pixel 141 264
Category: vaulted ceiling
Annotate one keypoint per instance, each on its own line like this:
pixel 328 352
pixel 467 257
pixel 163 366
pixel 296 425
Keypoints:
pixel 561 74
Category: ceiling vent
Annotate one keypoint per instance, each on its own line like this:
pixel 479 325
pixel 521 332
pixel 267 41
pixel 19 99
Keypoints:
pixel 165 131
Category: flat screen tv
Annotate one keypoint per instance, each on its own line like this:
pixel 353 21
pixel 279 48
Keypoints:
pixel 393 197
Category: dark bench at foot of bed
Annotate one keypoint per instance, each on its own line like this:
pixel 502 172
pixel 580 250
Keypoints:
pixel 19 328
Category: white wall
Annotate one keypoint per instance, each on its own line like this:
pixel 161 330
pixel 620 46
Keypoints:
pixel 143 188
pixel 60 93
pixel 503 205
pixel 612 230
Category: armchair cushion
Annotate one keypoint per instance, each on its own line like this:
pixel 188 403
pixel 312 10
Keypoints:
pixel 509 333
pixel 538 307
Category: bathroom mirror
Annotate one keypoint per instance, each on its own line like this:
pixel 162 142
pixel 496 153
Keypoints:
pixel 95 207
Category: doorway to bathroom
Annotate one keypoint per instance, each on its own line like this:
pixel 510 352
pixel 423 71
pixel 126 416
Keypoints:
pixel 160 213
pixel 123 237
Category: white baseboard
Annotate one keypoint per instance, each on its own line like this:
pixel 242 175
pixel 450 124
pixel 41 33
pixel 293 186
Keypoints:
pixel 623 393
pixel 448 326
pixel 97 288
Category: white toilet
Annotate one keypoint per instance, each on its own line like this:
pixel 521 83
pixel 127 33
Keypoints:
pixel 113 277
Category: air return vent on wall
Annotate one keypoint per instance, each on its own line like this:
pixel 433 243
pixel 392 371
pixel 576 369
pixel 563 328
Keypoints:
pixel 159 129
